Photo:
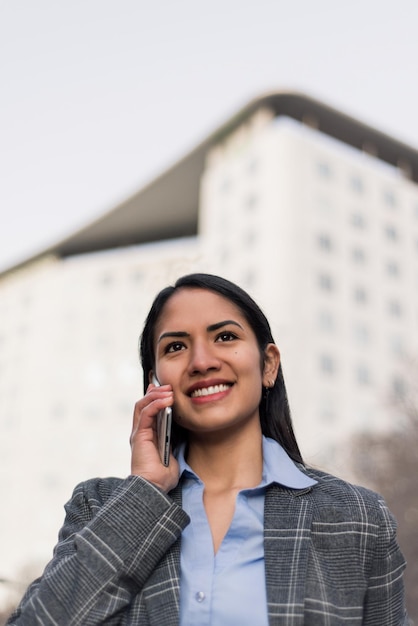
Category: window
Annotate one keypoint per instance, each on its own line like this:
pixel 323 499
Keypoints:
pixel 389 199
pixel 250 202
pixel 392 268
pixel 324 242
pixel 360 295
pixel 326 321
pixel 91 411
pixel 356 184
pixel 26 301
pixel 327 364
pixel 253 165
pixel 58 412
pixel 399 387
pixel 127 372
pixel 106 279
pixel 357 220
pixel 250 238
pixel 94 375
pixel 363 375
pixel 326 410
pixel 391 232
pixel 225 186
pixel 361 334
pixel 358 255
pixel 326 206
pixel 324 169
pixel 249 279
pixel 21 330
pixel 395 309
pixel 326 282
pixel 138 276
pixel 397 345
pixel 224 255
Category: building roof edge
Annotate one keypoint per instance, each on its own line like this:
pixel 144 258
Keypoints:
pixel 167 207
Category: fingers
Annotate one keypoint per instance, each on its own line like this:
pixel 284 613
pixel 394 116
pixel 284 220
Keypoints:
pixel 145 459
pixel 146 409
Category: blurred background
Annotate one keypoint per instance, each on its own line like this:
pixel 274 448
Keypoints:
pixel 272 142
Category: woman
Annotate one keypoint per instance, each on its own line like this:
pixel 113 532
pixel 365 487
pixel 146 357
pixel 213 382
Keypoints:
pixel 235 530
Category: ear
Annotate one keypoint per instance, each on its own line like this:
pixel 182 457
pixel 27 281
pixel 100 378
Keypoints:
pixel 150 376
pixel 271 364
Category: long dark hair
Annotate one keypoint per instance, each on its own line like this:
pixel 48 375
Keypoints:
pixel 274 409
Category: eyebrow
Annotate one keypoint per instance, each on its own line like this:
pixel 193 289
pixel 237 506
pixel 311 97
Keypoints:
pixel 210 328
pixel 218 325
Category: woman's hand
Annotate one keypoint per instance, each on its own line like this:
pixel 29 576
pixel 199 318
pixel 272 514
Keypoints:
pixel 145 460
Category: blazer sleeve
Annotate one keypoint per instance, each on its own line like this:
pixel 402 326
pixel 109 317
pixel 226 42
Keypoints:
pixel 385 601
pixel 111 541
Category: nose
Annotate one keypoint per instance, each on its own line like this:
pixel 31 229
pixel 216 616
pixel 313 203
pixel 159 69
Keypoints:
pixel 203 358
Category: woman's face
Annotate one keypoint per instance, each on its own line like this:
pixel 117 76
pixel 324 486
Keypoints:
pixel 206 350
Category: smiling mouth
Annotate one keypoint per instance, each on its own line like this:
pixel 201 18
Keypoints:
pixel 208 391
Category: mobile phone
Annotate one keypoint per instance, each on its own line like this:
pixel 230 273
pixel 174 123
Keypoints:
pixel 163 430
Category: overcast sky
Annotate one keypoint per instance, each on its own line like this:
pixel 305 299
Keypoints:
pixel 99 96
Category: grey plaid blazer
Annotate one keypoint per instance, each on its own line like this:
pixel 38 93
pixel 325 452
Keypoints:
pixel 331 558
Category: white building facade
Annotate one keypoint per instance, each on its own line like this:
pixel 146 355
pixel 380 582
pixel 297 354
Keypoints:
pixel 327 237
pixel 322 234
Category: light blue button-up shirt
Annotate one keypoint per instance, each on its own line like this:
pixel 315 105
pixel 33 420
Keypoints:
pixel 229 588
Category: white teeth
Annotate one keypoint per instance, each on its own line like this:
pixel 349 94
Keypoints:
pixel 207 391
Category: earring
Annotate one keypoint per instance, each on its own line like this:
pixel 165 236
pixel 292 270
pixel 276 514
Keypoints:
pixel 268 386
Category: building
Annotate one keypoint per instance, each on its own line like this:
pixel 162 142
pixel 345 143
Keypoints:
pixel 315 213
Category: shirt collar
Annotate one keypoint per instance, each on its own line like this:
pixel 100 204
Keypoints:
pixel 278 467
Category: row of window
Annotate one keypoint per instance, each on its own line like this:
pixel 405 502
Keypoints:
pixel 362 222
pixel 328 365
pixel 390 233
pixel 358 185
pixel 325 170
pixel 361 333
pixel 362 374
pixel 360 295
pixel 356 219
pixel 358 254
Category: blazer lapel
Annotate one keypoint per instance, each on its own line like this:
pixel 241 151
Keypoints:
pixel 287 530
pixel 162 590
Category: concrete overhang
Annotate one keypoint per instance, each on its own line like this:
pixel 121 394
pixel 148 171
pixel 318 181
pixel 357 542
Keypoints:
pixel 168 206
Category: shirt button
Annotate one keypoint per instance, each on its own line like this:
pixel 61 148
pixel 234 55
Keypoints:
pixel 200 596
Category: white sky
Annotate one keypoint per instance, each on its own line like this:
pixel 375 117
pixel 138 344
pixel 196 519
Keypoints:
pixel 99 96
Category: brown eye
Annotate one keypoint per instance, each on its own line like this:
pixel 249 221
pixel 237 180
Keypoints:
pixel 175 346
pixel 227 335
